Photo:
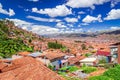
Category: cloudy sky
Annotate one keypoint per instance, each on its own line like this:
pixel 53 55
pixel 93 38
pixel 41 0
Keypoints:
pixel 62 16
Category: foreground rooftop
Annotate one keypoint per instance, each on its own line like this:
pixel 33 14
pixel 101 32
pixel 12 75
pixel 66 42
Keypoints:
pixel 26 68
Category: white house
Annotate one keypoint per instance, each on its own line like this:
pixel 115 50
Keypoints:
pixel 89 61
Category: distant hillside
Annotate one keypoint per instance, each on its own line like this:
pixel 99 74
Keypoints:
pixel 109 35
pixel 115 32
pixel 14 39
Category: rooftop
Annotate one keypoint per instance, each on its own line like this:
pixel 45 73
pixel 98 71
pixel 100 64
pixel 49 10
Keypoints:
pixel 88 60
pixel 103 53
pixel 35 54
pixel 53 55
pixel 73 60
pixel 27 68
pixel 115 44
pixel 24 53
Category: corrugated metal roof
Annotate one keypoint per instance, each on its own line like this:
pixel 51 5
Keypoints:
pixel 35 54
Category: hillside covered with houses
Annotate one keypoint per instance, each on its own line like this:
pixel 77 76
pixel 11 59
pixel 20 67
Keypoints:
pixel 14 39
pixel 26 55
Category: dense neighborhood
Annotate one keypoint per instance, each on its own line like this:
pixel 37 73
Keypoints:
pixel 64 63
pixel 66 59
pixel 59 39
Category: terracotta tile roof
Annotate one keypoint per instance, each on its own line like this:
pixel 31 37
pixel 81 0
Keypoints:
pixel 28 68
pixel 115 44
pixel 73 60
pixel 24 53
pixel 2 65
pixel 53 55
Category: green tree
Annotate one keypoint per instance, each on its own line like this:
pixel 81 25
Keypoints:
pixel 83 46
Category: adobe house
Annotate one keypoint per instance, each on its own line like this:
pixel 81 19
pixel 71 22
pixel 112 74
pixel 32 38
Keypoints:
pixel 115 52
pixel 55 59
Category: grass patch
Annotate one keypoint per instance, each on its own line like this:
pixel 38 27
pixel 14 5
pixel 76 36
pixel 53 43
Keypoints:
pixel 71 78
pixel 89 69
pixel 69 69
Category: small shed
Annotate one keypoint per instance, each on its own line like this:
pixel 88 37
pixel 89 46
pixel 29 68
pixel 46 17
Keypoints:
pixel 89 61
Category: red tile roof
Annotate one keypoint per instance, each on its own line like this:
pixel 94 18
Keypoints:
pixel 24 53
pixel 103 53
pixel 28 68
pixel 53 55
pixel 73 60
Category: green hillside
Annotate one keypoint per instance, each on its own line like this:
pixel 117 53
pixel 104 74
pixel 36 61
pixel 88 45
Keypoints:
pixel 12 39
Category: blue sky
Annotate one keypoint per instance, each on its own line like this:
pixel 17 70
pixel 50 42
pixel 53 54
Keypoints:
pixel 62 16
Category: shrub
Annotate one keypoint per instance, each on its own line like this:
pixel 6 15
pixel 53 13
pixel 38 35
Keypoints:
pixel 73 68
pixel 110 74
pixel 51 67
pixel 89 69
pixel 113 73
pixel 61 73
pixel 63 49
pixel 102 61
pixel 71 78
pixel 70 68
pixel 55 45
pixel 83 46
pixel 88 54
pixel 100 78
pixel 91 47
pixel 108 66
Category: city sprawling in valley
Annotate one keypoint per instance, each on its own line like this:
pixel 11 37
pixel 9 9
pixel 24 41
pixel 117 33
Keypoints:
pixel 60 40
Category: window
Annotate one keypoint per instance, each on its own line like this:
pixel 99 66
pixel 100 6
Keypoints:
pixel 115 55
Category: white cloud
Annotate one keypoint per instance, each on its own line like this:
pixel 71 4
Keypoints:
pixel 113 14
pixel 3 11
pixel 26 9
pixel 81 12
pixel 84 24
pixel 21 23
pixel 85 3
pixel 70 25
pixel 71 20
pixel 89 19
pixel 39 29
pixel 72 30
pixel 79 17
pixel 42 29
pixel 99 18
pixel 60 10
pixel 34 0
pixel 11 12
pixel 79 25
pixel 60 25
pixel 78 30
pixel 114 2
pixel 43 19
pixel 114 27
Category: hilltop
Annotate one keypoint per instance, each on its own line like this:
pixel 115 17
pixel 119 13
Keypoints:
pixel 14 39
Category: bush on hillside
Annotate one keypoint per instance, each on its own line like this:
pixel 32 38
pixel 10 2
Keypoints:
pixel 100 78
pixel 83 46
pixel 89 69
pixel 113 73
pixel 55 45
